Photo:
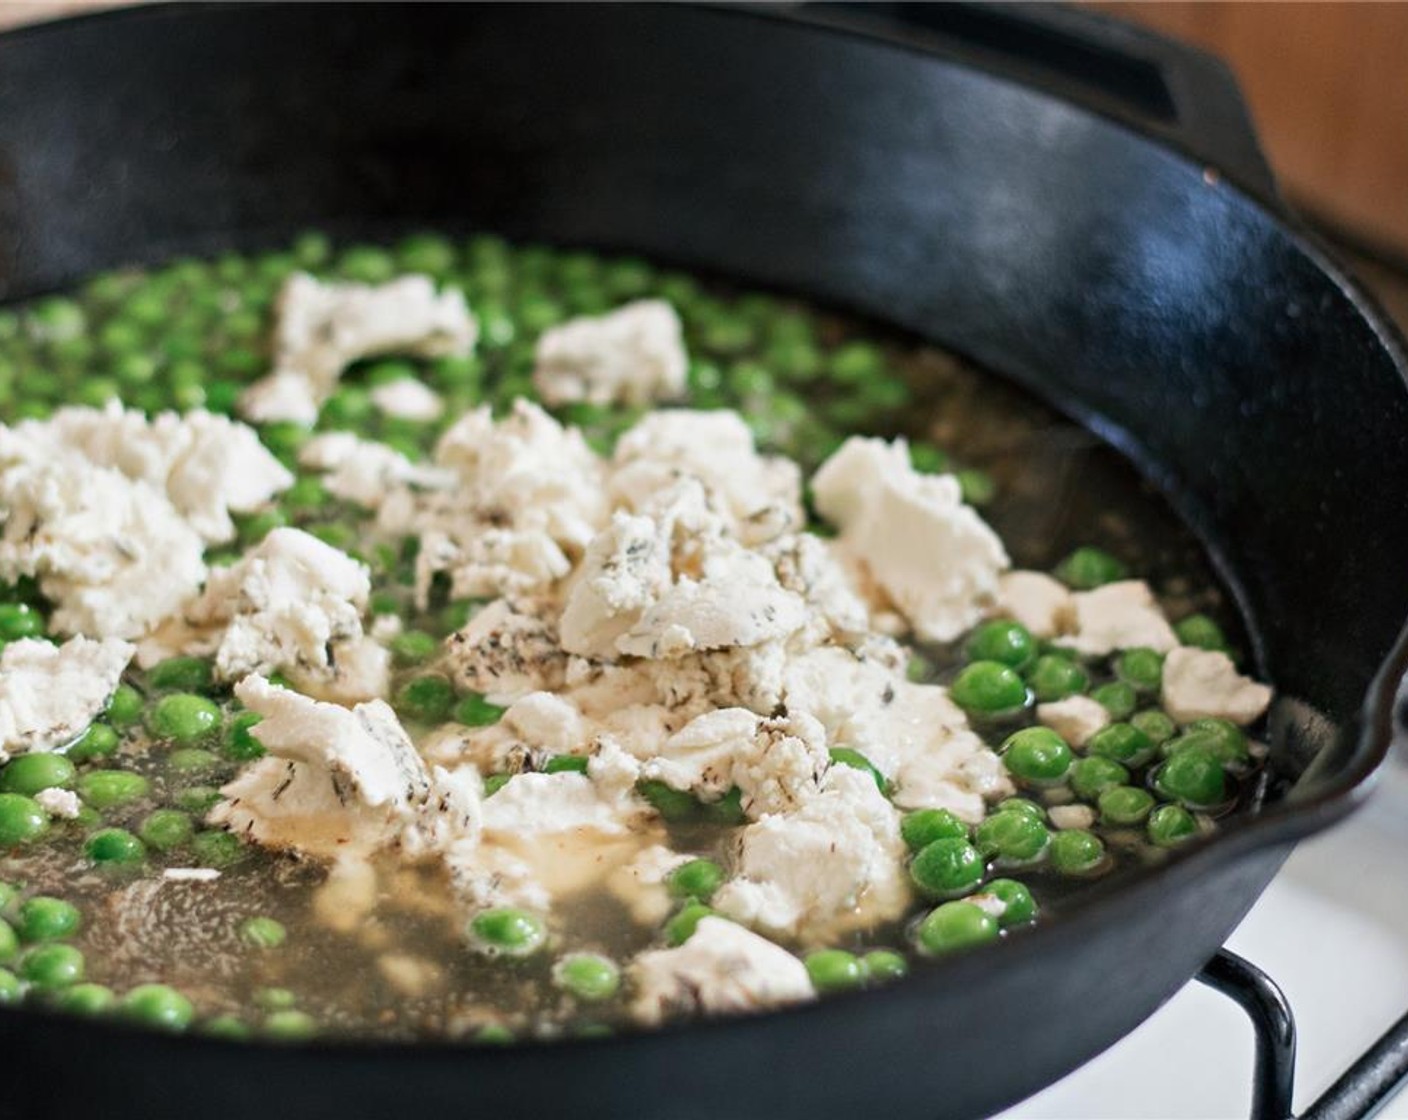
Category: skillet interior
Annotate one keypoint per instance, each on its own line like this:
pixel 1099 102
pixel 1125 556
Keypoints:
pixel 1169 312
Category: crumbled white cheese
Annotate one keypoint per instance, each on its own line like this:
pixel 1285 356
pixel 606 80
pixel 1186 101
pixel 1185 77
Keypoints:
pixel 207 465
pixel 810 567
pixel 323 328
pixel 633 355
pixel 1121 615
pixel 761 495
pixel 190 874
pixel 1036 600
pixel 834 864
pixel 408 399
pixel 721 969
pixel 640 884
pixel 1202 684
pixel 366 472
pixel 50 694
pixel 1075 718
pixel 334 780
pixel 1071 816
pixel 507 650
pixel 112 553
pixel 933 556
pixel 61 803
pixel 291 603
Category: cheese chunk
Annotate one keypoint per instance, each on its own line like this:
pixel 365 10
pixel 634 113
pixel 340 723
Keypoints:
pixel 292 603
pixel 207 465
pixel 507 650
pixel 1203 684
pixel 366 472
pixel 1075 718
pixel 633 355
pixel 834 864
pixel 721 969
pixel 337 780
pixel 408 399
pixel 1036 600
pixel 50 694
pixel 934 558
pixel 111 552
pixel 322 328
pixel 1121 615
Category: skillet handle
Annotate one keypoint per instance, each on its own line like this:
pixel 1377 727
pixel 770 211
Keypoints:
pixel 1183 96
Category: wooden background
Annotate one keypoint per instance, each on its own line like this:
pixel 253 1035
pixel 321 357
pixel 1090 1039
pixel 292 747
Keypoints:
pixel 1328 86
pixel 1327 82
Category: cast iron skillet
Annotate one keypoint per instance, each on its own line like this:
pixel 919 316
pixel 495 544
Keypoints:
pixel 1047 227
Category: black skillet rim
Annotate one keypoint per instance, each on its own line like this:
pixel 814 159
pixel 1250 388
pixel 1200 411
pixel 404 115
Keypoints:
pixel 1283 822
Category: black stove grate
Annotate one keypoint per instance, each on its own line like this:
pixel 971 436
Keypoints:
pixel 1360 1092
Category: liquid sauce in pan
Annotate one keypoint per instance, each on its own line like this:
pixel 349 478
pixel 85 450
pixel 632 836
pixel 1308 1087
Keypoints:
pixel 246 941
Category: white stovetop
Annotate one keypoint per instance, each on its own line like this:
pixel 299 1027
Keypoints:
pixel 1332 930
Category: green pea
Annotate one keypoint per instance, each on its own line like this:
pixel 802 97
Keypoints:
pixel 508 931
pixel 457 615
pixel 229 1027
pixel 20 620
pixel 978 487
pixel 1121 742
pixel 428 698
pixel 165 829
pixel 1088 568
pixel 1018 905
pixel 183 716
pixel 1116 697
pixel 855 362
pixel 1022 805
pixel 11 988
pixel 1090 777
pixel 835 970
pixel 125 706
pixel 1202 632
pixel 588 976
pixel 31 773
pixel 86 999
pixel 52 966
pixel 672 804
pixel 262 933
pixel 306 494
pixel 1154 724
pixel 22 820
pixel 697 879
pixel 48 919
pixel 198 799
pixel 1125 805
pixel 1012 838
pixel 157 1005
pixel 1193 776
pixel 240 742
pixel 108 789
pixel 366 264
pixel 1036 756
pixel 284 438
pixel 726 811
pixel 184 674
pixel 215 848
pixel 1076 852
pixel 426 252
pixel 414 646
pixel 884 965
pixel 9 942
pixel 1142 669
pixel 222 395
pixel 473 710
pixel 1004 641
pixel 289 1026
pixel 1170 825
pixel 115 845
pixel 99 741
pixel 681 926
pixel 1054 677
pixel 274 999
pixel 311 249
pixel 922 827
pixel 845 756
pixel 567 764
pixel 1220 736
pixel 494 1034
pixel 947 867
pixel 989 688
pixel 495 782
pixel 192 760
pixel 954 926
pixel 58 318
